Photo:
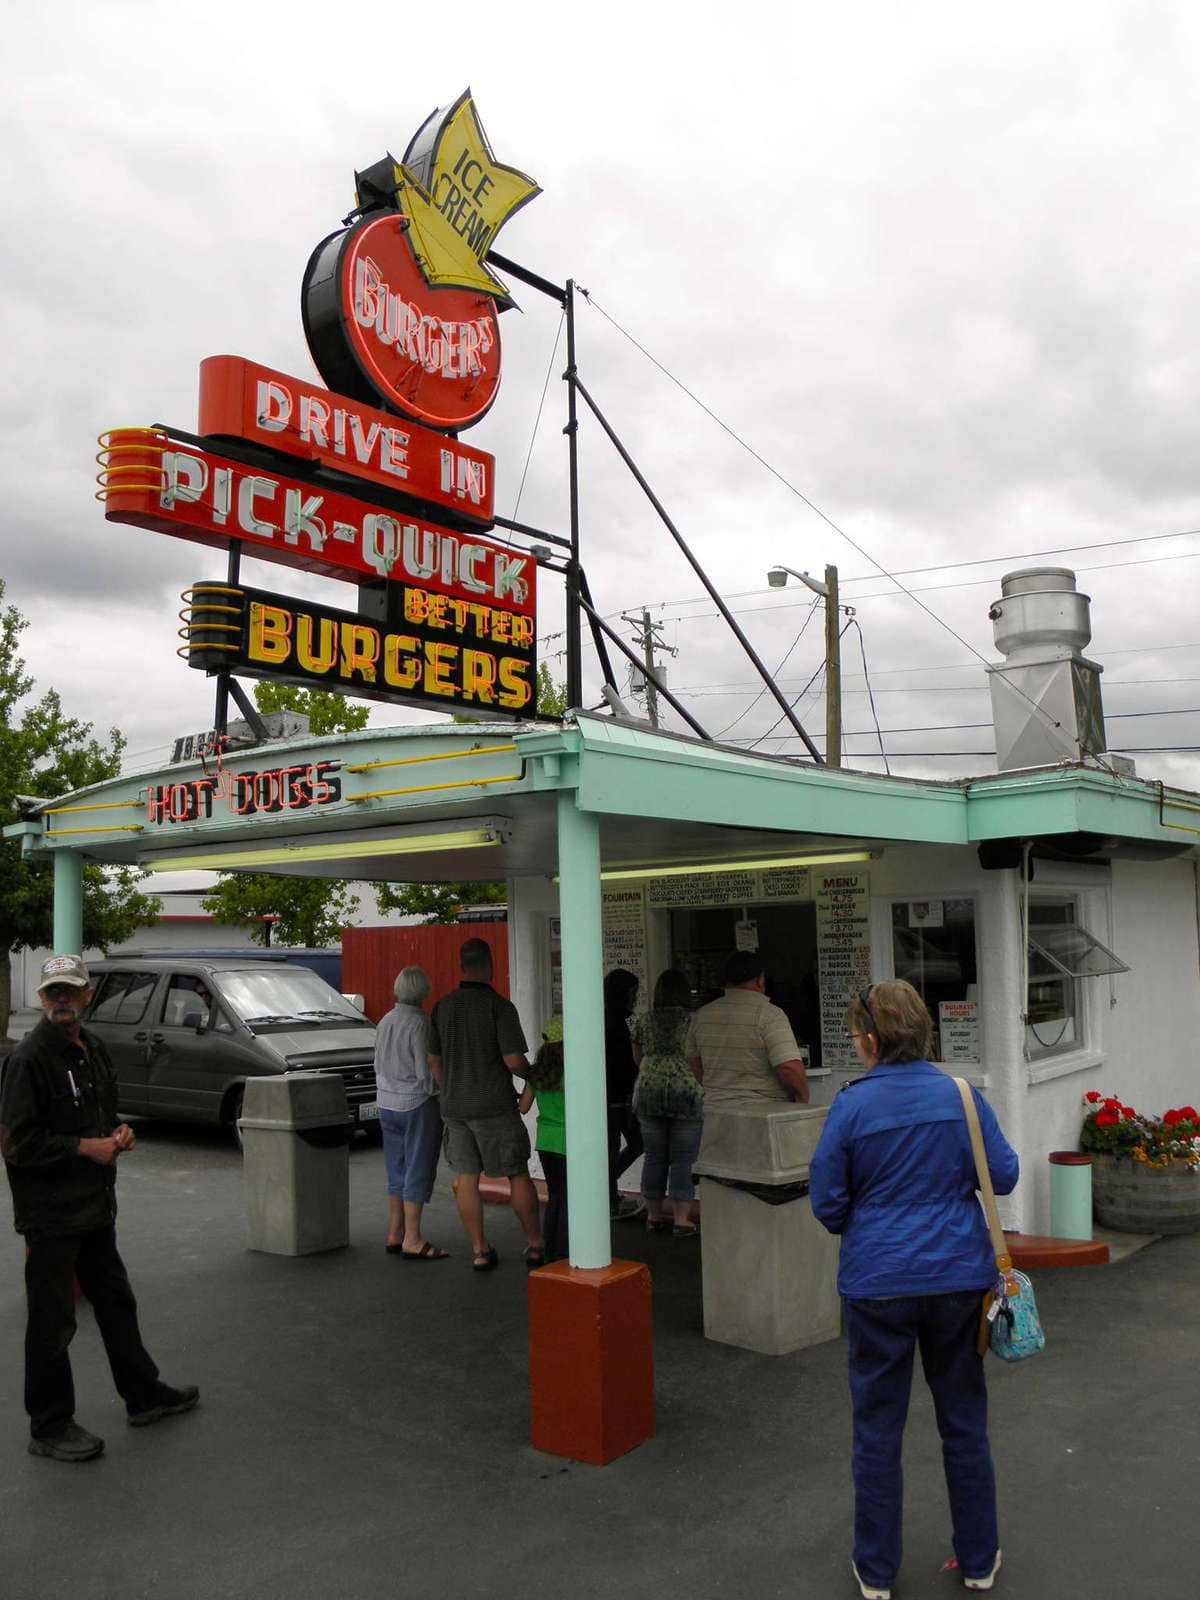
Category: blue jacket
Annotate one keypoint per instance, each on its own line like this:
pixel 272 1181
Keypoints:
pixel 893 1173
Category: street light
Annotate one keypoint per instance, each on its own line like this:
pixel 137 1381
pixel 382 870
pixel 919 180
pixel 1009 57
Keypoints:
pixel 777 577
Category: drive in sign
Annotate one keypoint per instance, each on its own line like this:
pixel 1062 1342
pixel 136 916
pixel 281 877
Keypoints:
pixel 241 400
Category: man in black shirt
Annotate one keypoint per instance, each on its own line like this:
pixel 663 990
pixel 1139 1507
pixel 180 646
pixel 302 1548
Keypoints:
pixel 60 1140
pixel 475 1047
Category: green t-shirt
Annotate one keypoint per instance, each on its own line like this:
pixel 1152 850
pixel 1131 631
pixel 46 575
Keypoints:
pixel 552 1120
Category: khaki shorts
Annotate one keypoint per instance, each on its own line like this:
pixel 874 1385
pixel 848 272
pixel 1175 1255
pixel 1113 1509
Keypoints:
pixel 496 1146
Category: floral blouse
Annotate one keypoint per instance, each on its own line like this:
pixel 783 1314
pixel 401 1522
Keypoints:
pixel 665 1084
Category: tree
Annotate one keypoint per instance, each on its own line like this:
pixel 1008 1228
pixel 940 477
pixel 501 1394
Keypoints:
pixel 44 752
pixel 441 902
pixel 304 911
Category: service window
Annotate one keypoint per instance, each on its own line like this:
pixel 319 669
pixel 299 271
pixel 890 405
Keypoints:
pixel 1061 954
pixel 122 996
pixel 933 948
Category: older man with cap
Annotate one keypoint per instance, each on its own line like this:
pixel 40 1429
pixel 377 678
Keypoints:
pixel 60 1139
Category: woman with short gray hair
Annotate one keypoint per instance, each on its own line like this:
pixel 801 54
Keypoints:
pixel 409 1116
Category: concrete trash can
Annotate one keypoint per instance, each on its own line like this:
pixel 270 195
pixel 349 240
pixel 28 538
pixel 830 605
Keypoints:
pixel 770 1268
pixel 296 1133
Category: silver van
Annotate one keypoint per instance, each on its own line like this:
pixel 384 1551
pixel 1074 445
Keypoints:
pixel 185 1033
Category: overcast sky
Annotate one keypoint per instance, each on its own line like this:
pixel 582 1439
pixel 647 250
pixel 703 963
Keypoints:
pixel 934 263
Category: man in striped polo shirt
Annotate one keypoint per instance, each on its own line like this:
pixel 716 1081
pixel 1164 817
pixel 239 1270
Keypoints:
pixel 745 1044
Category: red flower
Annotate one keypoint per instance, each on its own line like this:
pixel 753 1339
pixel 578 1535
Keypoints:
pixel 1106 1117
pixel 1188 1114
pixel 1112 1105
pixel 1172 1117
pixel 1128 1111
pixel 1093 1097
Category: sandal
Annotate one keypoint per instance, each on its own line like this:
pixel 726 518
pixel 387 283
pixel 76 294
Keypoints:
pixel 427 1252
pixel 688 1230
pixel 485 1260
pixel 659 1224
pixel 535 1256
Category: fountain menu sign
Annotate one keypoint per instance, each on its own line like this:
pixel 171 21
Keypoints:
pixel 364 481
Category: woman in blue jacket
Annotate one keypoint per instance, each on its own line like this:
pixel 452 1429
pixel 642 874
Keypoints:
pixel 894 1175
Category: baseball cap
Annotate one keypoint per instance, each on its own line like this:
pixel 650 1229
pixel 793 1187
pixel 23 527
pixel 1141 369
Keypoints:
pixel 64 969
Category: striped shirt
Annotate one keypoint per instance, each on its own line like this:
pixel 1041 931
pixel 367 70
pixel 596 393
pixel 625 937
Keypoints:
pixel 740 1039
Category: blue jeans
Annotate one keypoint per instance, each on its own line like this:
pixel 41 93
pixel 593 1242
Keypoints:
pixel 671 1147
pixel 412 1141
pixel 882 1335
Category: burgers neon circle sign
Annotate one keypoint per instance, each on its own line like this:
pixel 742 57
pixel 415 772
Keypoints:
pixel 401 309
pixel 379 332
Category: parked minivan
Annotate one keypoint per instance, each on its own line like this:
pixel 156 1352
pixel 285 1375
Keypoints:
pixel 185 1033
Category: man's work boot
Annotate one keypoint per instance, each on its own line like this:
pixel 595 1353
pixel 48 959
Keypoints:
pixel 72 1444
pixel 167 1402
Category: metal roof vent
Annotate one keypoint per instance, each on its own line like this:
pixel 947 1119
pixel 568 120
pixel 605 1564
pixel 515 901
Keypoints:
pixel 1046 702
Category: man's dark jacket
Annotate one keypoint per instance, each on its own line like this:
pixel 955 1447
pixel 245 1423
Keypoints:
pixel 42 1119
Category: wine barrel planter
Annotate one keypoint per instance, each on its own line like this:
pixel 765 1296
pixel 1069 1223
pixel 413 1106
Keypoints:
pixel 1133 1198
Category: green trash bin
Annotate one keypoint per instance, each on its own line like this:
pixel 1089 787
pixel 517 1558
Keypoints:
pixel 1070 1194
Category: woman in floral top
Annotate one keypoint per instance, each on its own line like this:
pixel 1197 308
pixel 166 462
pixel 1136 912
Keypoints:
pixel 669 1104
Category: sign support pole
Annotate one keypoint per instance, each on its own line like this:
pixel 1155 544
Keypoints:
pixel 574 617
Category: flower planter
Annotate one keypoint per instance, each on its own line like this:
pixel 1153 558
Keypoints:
pixel 1132 1197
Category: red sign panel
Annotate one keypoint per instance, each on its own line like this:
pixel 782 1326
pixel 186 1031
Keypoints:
pixel 378 332
pixel 210 499
pixel 241 400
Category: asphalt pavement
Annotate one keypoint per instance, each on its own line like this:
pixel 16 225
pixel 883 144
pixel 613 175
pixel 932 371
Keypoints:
pixel 363 1431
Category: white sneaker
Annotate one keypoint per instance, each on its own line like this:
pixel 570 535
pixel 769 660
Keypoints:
pixel 985 1582
pixel 872 1591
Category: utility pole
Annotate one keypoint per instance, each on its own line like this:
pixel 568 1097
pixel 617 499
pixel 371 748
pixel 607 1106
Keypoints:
pixel 833 672
pixel 648 641
pixel 777 577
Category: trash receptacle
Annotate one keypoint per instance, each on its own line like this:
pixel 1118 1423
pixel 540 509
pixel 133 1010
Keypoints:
pixel 296 1133
pixel 770 1268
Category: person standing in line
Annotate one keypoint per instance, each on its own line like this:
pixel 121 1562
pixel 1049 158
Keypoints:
pixel 894 1175
pixel 544 1084
pixel 669 1103
pixel 624 1133
pixel 476 1047
pixel 60 1139
pixel 409 1118
pixel 745 1043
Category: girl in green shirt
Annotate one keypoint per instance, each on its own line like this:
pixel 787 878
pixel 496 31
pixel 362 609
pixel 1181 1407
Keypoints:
pixel 545 1086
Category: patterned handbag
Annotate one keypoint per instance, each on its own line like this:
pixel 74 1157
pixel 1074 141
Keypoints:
pixel 1009 1324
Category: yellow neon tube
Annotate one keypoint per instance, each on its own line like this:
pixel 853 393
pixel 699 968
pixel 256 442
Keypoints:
pixel 287 855
pixel 427 788
pixel 452 755
pixel 832 858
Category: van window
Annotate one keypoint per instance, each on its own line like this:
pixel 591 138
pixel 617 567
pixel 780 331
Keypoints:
pixel 122 996
pixel 188 1001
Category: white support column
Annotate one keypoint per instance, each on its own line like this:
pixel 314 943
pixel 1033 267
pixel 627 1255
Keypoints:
pixel 583 1030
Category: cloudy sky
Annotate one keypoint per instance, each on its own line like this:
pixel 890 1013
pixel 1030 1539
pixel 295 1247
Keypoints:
pixel 932 263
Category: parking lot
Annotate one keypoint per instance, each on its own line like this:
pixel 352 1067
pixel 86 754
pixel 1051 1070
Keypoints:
pixel 363 1430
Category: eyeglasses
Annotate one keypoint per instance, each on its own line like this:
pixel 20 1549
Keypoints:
pixel 864 1000
pixel 60 991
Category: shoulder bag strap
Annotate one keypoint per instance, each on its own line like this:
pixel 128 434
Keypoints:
pixel 987 1194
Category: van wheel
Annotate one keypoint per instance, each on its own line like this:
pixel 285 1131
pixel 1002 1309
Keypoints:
pixel 233 1110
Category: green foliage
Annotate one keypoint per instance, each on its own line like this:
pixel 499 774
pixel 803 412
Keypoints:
pixel 551 696
pixel 309 911
pixel 326 712
pixel 438 902
pixel 44 752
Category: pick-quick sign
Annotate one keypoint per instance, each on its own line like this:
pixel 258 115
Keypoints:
pixel 241 400
pixel 210 499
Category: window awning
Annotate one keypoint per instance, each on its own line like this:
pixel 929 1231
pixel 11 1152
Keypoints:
pixel 1069 950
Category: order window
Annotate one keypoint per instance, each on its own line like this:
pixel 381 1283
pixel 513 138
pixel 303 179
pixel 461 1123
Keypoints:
pixel 933 948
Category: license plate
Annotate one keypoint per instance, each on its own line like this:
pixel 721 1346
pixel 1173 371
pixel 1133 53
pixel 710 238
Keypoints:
pixel 368 1113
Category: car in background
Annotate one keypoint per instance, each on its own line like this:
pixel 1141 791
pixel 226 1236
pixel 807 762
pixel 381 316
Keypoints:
pixel 184 1034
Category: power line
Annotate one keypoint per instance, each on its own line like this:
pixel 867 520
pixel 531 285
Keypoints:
pixel 538 418
pixel 812 611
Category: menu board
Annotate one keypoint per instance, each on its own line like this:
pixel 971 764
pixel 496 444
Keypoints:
pixel 843 956
pixel 958 1024
pixel 623 918
pixel 689 890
